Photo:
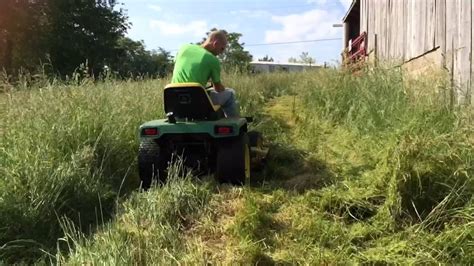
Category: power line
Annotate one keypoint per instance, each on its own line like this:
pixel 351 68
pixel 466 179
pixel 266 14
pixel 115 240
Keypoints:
pixel 278 43
pixel 194 5
pixel 196 8
pixel 281 43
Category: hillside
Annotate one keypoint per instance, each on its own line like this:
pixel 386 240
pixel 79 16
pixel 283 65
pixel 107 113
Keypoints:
pixel 362 169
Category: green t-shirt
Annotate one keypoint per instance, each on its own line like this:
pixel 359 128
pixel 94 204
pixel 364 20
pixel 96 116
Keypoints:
pixel 196 64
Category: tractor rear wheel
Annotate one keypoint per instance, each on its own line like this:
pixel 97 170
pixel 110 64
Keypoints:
pixel 233 160
pixel 152 163
pixel 255 139
pixel 257 151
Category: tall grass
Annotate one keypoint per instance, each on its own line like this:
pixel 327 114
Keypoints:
pixel 67 151
pixel 146 230
pixel 406 157
pixel 424 147
pixel 362 169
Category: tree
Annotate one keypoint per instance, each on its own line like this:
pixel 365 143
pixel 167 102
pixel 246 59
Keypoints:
pixel 85 31
pixel 266 59
pixel 135 60
pixel 234 58
pixel 304 59
pixel 22 33
pixel 164 61
pixel 72 34
pixel 68 33
pixel 293 60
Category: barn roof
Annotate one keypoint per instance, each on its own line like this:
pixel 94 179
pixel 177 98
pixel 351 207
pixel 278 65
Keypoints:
pixel 353 4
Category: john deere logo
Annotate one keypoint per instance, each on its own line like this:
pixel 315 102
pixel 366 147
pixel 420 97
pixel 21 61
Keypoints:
pixel 184 98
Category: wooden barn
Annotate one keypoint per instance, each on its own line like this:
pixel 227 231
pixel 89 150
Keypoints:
pixel 417 35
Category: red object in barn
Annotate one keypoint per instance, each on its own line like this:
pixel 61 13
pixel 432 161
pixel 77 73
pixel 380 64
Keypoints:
pixel 357 48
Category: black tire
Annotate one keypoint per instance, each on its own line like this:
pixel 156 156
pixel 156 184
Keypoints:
pixel 233 160
pixel 255 139
pixel 256 148
pixel 152 163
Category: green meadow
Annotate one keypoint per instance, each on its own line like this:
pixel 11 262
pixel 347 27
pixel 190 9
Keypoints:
pixel 369 168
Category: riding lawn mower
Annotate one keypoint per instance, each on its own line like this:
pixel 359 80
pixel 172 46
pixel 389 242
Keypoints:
pixel 198 132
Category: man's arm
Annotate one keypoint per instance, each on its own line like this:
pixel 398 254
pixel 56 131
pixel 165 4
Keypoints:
pixel 218 86
pixel 216 75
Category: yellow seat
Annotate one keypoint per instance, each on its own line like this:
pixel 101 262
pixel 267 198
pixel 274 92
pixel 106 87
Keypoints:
pixel 191 101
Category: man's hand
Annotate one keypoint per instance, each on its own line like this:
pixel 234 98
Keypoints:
pixel 219 87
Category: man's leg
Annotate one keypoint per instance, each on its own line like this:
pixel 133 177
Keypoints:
pixel 226 99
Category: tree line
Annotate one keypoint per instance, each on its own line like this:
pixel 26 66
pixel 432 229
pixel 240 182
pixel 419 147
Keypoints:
pixel 60 36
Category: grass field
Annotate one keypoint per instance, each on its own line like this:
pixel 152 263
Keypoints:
pixel 362 169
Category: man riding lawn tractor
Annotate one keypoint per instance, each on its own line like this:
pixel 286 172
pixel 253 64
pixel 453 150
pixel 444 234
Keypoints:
pixel 203 126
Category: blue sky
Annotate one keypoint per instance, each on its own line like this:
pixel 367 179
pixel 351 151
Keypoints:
pixel 169 24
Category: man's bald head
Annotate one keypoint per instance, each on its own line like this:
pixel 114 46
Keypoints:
pixel 216 42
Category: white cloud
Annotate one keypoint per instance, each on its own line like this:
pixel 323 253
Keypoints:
pixel 197 28
pixel 346 3
pixel 155 7
pixel 232 27
pixel 251 13
pixel 319 2
pixel 310 25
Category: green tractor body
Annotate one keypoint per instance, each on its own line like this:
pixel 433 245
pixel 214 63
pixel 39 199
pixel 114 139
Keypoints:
pixel 222 128
pixel 198 133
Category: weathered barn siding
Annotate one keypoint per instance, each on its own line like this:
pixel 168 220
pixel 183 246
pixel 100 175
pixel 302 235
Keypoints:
pixel 403 30
pixel 440 31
